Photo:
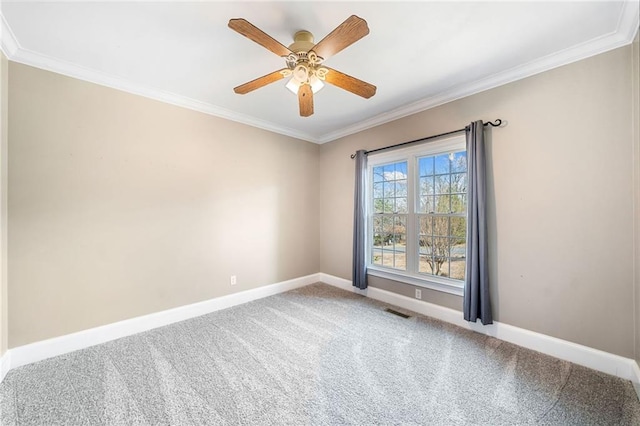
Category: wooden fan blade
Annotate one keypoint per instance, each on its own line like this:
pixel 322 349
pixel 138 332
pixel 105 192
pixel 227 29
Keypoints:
pixel 351 84
pixel 305 99
pixel 249 30
pixel 259 82
pixel 347 33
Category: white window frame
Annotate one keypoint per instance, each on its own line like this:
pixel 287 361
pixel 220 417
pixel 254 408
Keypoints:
pixel 410 155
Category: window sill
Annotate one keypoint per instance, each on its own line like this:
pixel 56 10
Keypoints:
pixel 438 284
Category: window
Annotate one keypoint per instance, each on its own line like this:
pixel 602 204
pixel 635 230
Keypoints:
pixel 417 214
pixel 390 215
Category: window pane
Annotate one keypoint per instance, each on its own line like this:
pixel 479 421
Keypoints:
pixel 426 205
pixel 442 164
pixel 377 240
pixel 388 205
pixel 387 230
pixel 400 227
pixel 425 243
pixel 458 248
pixel 442 204
pixel 458 256
pixel 459 182
pixel 377 224
pixel 425 188
pixel 459 162
pixel 400 260
pixel 387 258
pixel 425 264
pixel 388 171
pixel 459 203
pixel 400 233
pixel 378 174
pixel 401 205
pixel 458 266
pixel 376 257
pixel 388 189
pixel 401 188
pixel 442 268
pixel 378 231
pixel 426 185
pixel 378 204
pixel 440 248
pixel 401 170
pixel 425 165
pixel 443 184
pixel 426 225
pixel 399 240
pixel 377 190
pixel 458 229
pixel 393 259
pixel 441 226
pixel 431 205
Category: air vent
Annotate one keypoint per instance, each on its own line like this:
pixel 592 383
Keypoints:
pixel 400 314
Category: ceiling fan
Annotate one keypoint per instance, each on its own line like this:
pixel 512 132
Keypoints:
pixel 304 61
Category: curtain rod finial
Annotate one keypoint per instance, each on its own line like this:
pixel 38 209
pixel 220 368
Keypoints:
pixel 353 156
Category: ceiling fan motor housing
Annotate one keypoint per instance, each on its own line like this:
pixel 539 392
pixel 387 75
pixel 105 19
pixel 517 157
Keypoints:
pixel 302 42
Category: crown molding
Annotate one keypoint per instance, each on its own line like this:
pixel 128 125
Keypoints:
pixel 8 43
pixel 629 22
pixel 69 69
pixel 624 34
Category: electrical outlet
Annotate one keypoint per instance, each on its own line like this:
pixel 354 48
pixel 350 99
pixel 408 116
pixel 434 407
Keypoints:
pixel 418 293
pixel 233 280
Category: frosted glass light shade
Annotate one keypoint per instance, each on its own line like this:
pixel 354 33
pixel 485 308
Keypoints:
pixel 316 85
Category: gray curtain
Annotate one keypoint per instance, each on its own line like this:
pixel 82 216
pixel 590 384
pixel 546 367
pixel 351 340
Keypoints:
pixel 476 284
pixel 359 223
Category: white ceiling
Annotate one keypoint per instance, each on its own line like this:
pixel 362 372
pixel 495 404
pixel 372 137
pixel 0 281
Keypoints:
pixel 418 54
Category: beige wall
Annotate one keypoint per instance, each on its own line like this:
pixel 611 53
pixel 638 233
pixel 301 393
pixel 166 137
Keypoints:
pixel 560 199
pixel 635 72
pixel 121 206
pixel 4 95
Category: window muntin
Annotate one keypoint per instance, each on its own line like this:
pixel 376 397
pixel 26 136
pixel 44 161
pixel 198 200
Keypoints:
pixel 417 215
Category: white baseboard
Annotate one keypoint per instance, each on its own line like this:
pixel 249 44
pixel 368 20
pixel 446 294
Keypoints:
pixel 636 383
pixel 5 364
pixel 615 365
pixel 622 367
pixel 44 349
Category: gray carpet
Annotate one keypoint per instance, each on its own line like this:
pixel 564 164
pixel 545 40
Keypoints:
pixel 317 355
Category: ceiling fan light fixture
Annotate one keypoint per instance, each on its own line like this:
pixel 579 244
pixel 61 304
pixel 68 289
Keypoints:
pixel 304 61
pixel 315 82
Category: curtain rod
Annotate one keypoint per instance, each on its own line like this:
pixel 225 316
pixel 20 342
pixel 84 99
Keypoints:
pixel 489 123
